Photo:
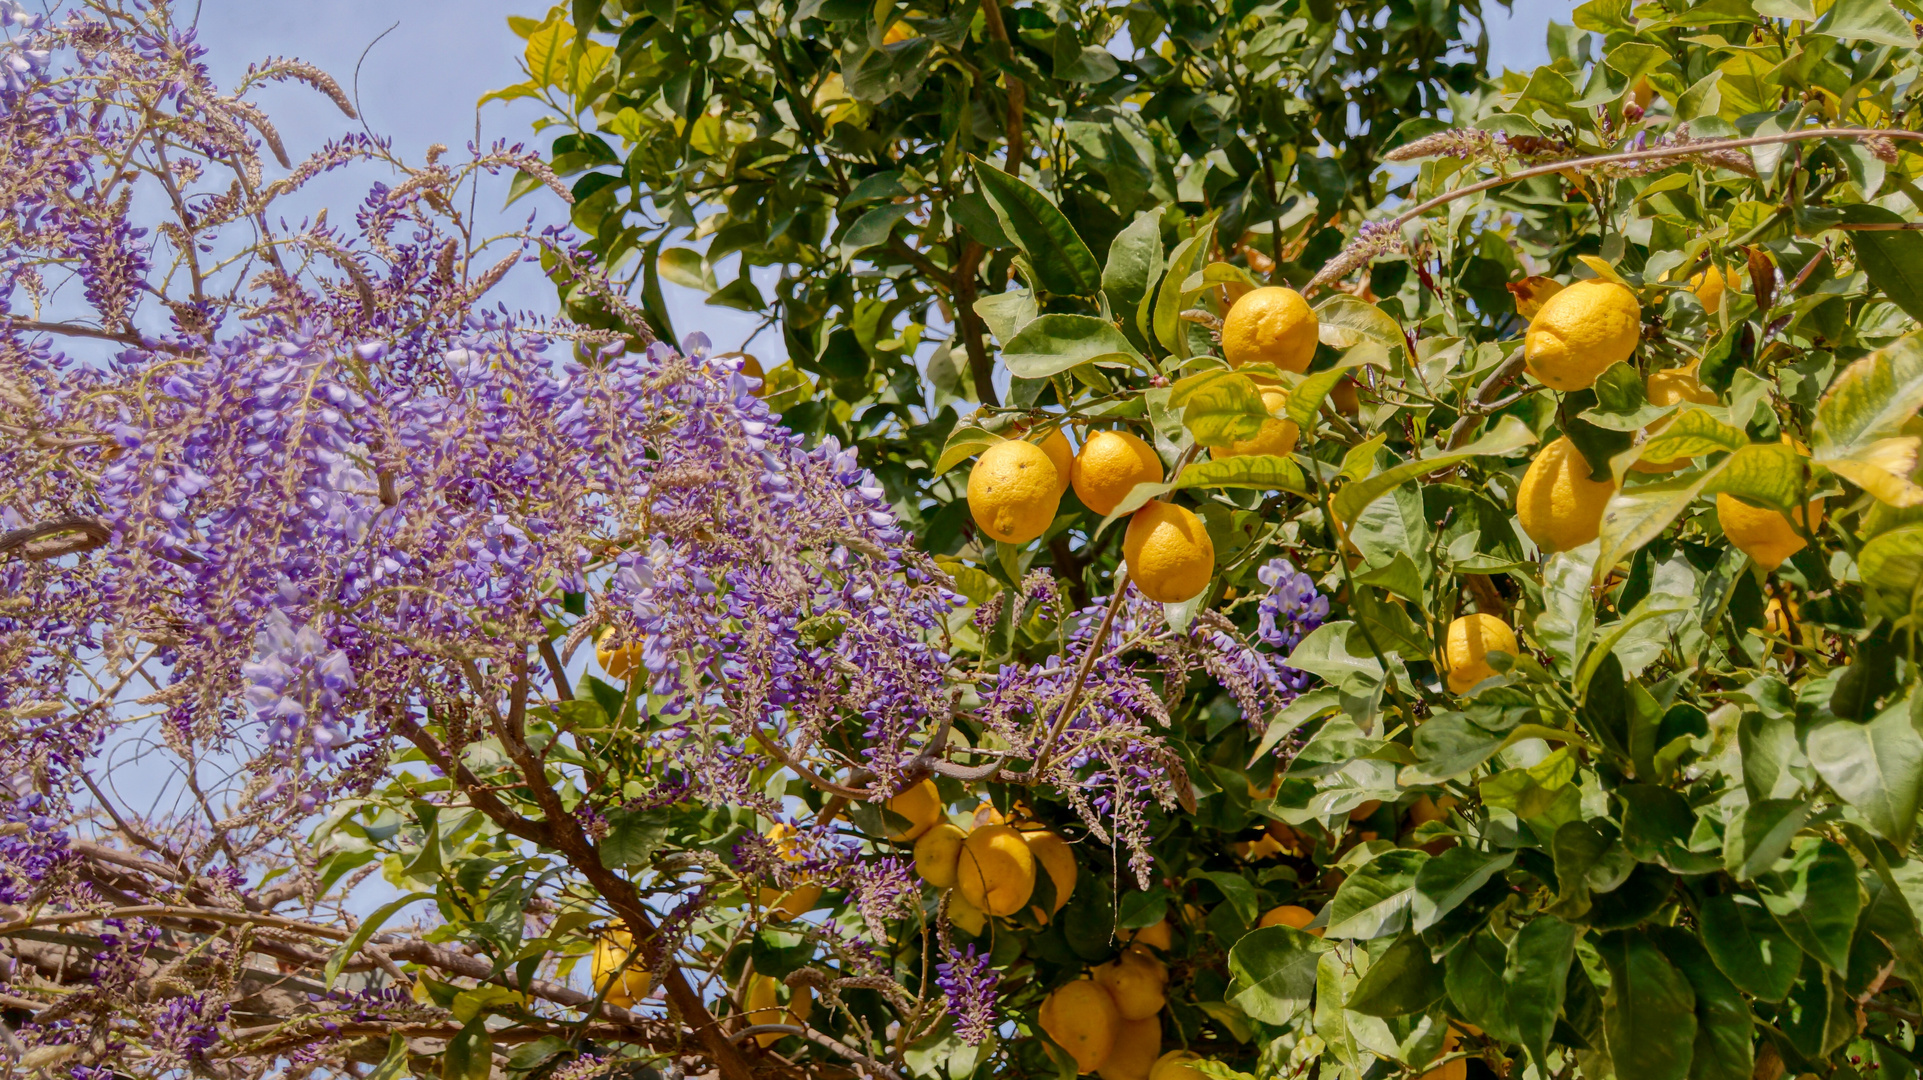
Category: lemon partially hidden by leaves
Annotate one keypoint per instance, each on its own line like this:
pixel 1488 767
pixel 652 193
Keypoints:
pixel 614 657
pixel 1058 861
pixel 763 1007
pixel 1559 506
pixel 1080 1018
pixel 938 853
pixel 1161 935
pixel 1291 915
pixel 1137 981
pixel 1132 1055
pixel 1709 287
pixel 1278 436
pixel 1466 650
pixel 1764 534
pixel 1673 386
pixel 610 966
pixel 1176 1065
pixel 1169 553
pixel 920 805
pixel 1108 468
pixel 797 901
pixel 996 871
pixel 966 915
pixel 1062 456
pixel 1013 491
pixel 1580 332
pixel 1270 325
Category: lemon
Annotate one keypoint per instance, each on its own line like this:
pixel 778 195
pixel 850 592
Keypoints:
pixel 996 871
pixel 796 901
pixel 1673 386
pixel 617 661
pixel 1169 553
pixel 1277 436
pixel 1013 491
pixel 1062 456
pixel 1132 1056
pixel 1291 915
pixel 1053 854
pixel 1466 650
pixel 625 985
pixel 1344 398
pixel 762 1007
pixel 1642 94
pixel 1454 1070
pixel 1559 506
pixel 1425 809
pixel 986 814
pixel 938 853
pixel 1709 287
pixel 1764 534
pixel 966 915
pixel 1580 332
pixel 1081 1019
pixel 1161 935
pixel 1108 468
pixel 921 805
pixel 1137 981
pixel 1270 326
pixel 1174 1065
pixel 1289 841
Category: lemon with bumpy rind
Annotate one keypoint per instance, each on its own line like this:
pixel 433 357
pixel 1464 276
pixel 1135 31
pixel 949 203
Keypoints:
pixel 1278 435
pixel 1013 491
pixel 938 854
pixel 996 871
pixel 1580 332
pixel 616 659
pixel 1080 1018
pixel 1137 981
pixel 920 804
pixel 1559 506
pixel 1062 456
pixel 1108 468
pixel 1137 1045
pixel 1270 325
pixel 1764 534
pixel 1169 553
pixel 1470 640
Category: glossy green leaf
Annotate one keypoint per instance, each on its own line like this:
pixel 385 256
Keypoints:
pixel 964 443
pixel 1309 394
pixel 1873 21
pixel 1877 767
pixel 1692 433
pixel 1134 267
pixel 1345 321
pixel 1760 833
pixel 1274 970
pixel 1649 1015
pixel 1375 901
pixel 1188 255
pixel 1062 263
pixel 1401 981
pixel 1051 344
pixel 1509 434
pixel 1534 980
pixel 1445 881
pixel 1816 901
pixel 1873 397
pixel 1748 945
pixel 1724 1047
pixel 1473 974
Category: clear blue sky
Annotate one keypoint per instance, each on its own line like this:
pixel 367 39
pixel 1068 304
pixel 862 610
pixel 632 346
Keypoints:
pixel 419 85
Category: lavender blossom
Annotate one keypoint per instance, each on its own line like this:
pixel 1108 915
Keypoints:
pixel 968 983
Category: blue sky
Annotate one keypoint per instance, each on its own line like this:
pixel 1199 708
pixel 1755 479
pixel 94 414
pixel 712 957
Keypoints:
pixel 420 82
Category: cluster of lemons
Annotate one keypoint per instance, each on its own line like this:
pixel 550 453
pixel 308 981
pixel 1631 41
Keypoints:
pixel 992 866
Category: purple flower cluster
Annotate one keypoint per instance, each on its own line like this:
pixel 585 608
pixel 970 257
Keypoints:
pixel 185 1028
pixel 296 685
pixel 968 982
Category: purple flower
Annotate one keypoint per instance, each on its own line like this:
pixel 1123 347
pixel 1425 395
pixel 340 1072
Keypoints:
pixel 968 982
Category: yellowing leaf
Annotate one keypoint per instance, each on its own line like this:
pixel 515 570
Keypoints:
pixel 1604 269
pixel 1883 469
pixel 1531 293
pixel 548 47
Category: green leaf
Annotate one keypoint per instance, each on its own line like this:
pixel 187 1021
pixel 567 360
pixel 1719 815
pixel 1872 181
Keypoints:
pixel 1473 973
pixel 1133 268
pixel 1649 1014
pixel 1344 321
pixel 1401 981
pixel 470 1053
pixel 688 269
pixel 1759 834
pixel 1224 411
pixel 1374 901
pixel 393 1064
pixel 1693 433
pixel 872 229
pixel 1891 564
pixel 1052 344
pixel 1307 397
pixel 1303 709
pixel 1876 767
pixel 1748 946
pixel 1237 890
pixel 1724 1049
pixel 1621 404
pixel 1816 901
pixel 1444 882
pixel 1657 823
pixel 1893 259
pixel 367 929
pixel 1274 969
pixel 963 444
pixel 1534 981
pixel 1258 472
pixel 1062 263
pixel 1510 433
pixel 1167 322
pixel 1874 397
pixel 1874 21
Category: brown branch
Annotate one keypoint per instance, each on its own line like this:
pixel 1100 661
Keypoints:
pixel 820 1039
pixel 1081 671
pixel 968 322
pixel 1012 81
pixel 35 543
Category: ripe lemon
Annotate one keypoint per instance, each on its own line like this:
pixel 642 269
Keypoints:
pixel 1055 857
pixel 763 1007
pixel 996 871
pixel 1709 287
pixel 1161 935
pixel 1277 436
pixel 1080 1018
pixel 1454 1070
pixel 1580 332
pixel 1467 648
pixel 1270 326
pixel 617 661
pixel 938 853
pixel 986 814
pixel 1137 1044
pixel 1108 468
pixel 1672 387
pixel 1174 1065
pixel 796 901
pixel 921 805
pixel 1013 491
pixel 1137 981
pixel 1559 506
pixel 1344 398
pixel 966 915
pixel 625 985
pixel 1062 456
pixel 1764 534
pixel 1169 553
pixel 1290 915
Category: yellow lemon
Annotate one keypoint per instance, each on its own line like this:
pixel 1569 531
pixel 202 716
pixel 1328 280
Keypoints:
pixel 966 915
pixel 921 805
pixel 1080 1018
pixel 1170 556
pixel 937 854
pixel 625 985
pixel 1672 387
pixel 1137 981
pixel 1270 326
pixel 1174 1065
pixel 1642 94
pixel 796 901
pixel 1277 436
pixel 1055 857
pixel 1062 456
pixel 763 1007
pixel 1108 468
pixel 1344 398
pixel 1454 1070
pixel 996 871
pixel 1764 534
pixel 1425 809
pixel 1709 287
pixel 1161 935
pixel 1580 332
pixel 617 661
pixel 1559 506
pixel 1466 650
pixel 1137 1044
pixel 1013 491
pixel 986 814
pixel 1290 915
